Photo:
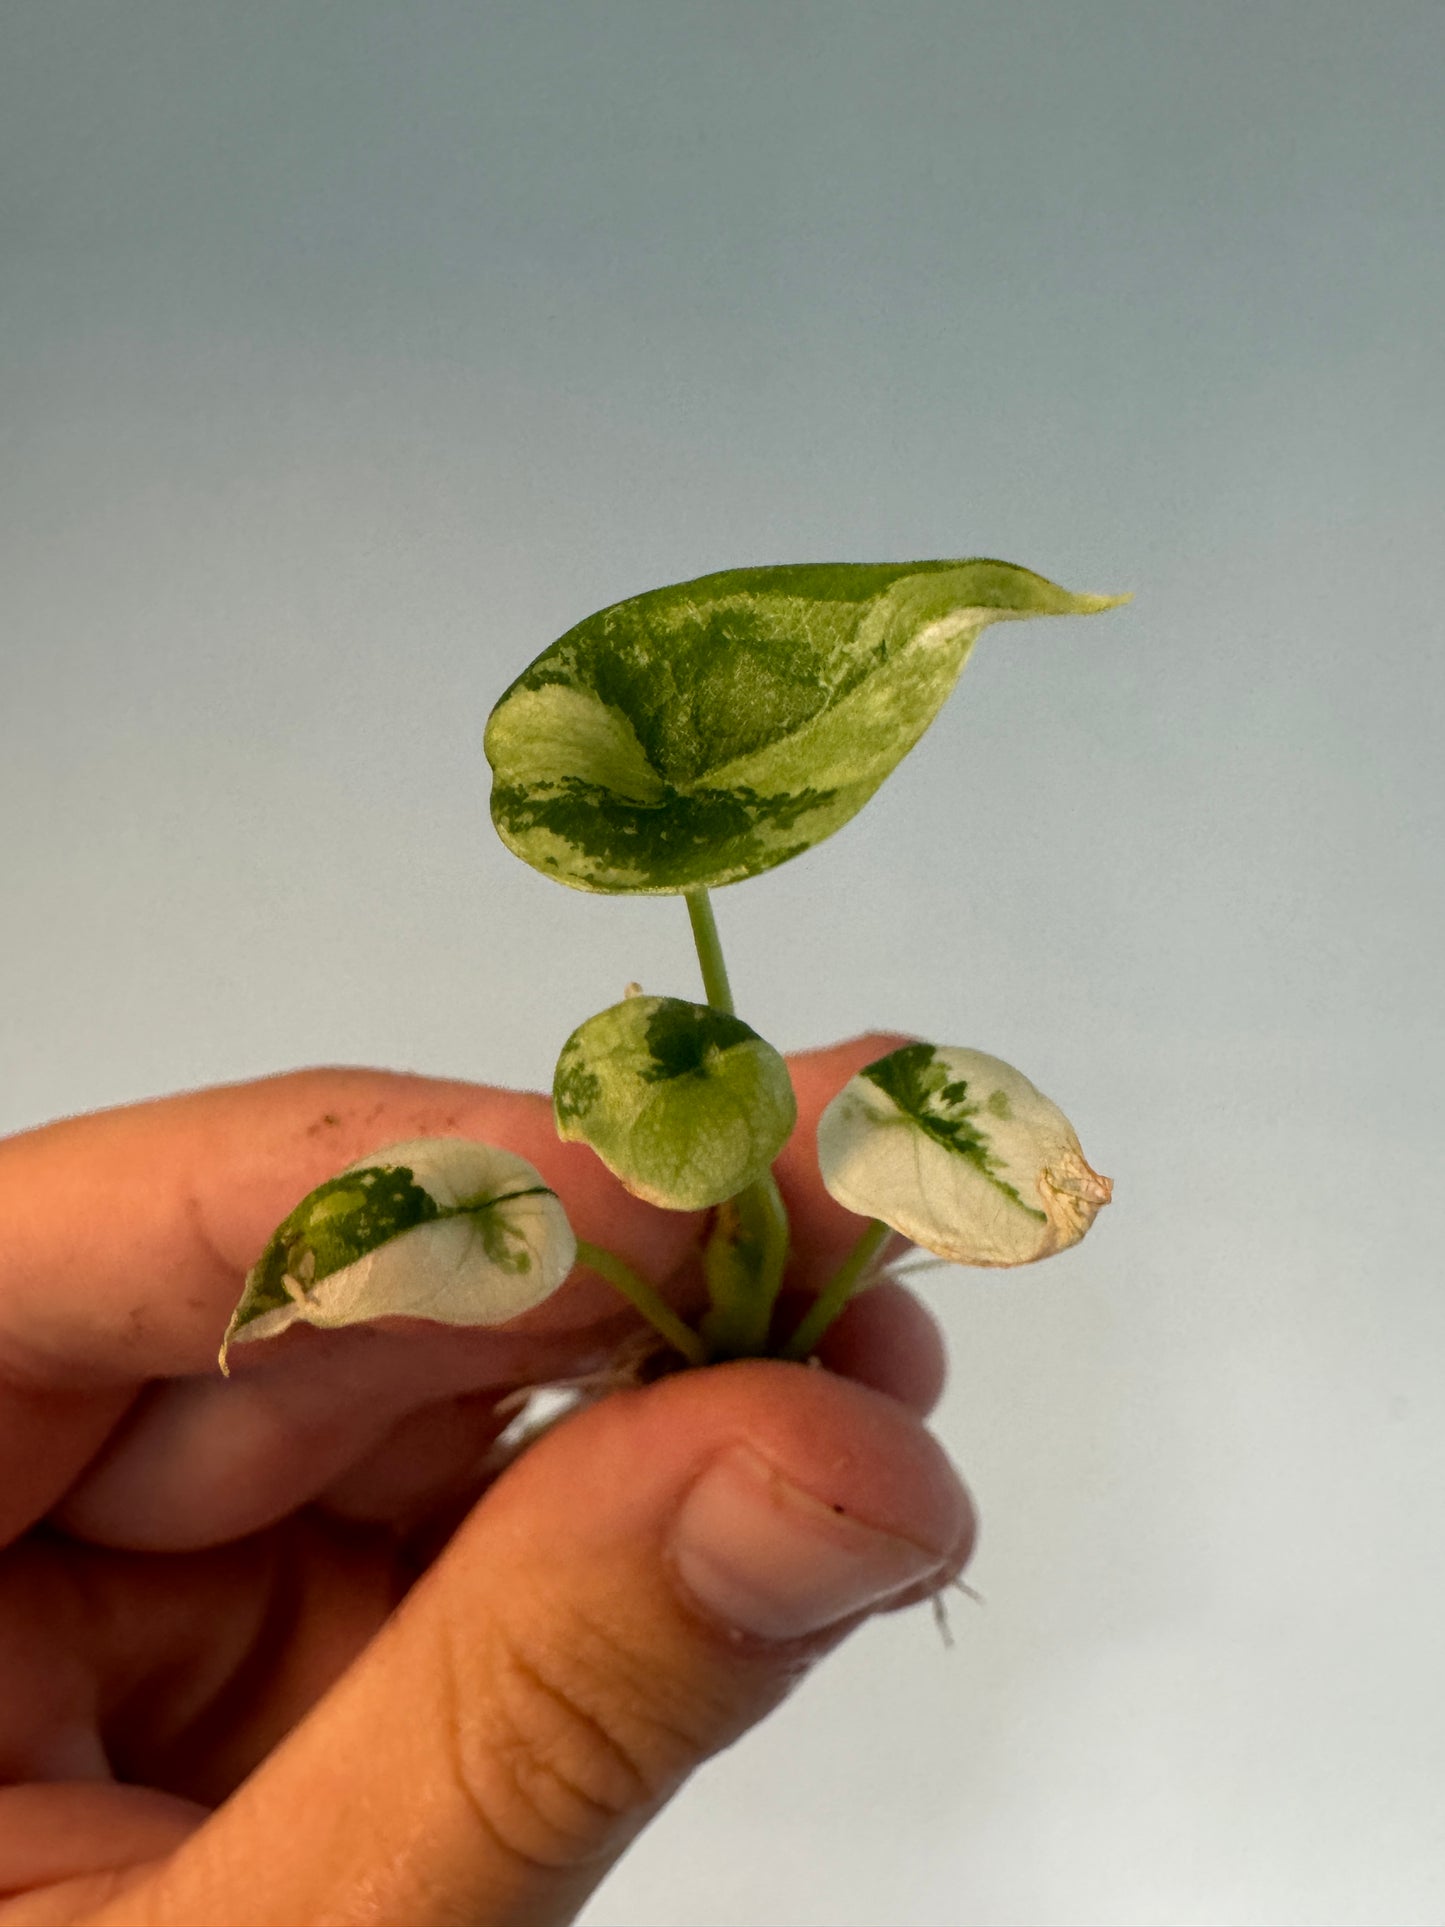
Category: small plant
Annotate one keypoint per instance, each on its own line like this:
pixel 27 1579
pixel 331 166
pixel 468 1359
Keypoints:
pixel 685 739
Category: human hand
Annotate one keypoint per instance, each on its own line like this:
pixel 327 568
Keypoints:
pixel 269 1653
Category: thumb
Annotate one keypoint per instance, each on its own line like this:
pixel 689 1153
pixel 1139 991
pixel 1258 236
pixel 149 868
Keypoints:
pixel 643 1585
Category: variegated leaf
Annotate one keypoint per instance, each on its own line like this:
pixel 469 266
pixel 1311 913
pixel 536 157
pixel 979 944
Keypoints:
pixel 702 733
pixel 961 1154
pixel 685 1104
pixel 439 1228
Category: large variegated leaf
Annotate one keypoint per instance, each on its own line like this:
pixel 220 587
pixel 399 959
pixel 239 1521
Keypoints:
pixel 684 1103
pixel 961 1154
pixel 705 732
pixel 440 1228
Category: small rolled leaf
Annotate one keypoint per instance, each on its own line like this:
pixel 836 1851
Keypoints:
pixel 705 732
pixel 439 1228
pixel 961 1154
pixel 683 1103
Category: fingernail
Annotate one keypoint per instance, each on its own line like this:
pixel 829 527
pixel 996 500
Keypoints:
pixel 772 1561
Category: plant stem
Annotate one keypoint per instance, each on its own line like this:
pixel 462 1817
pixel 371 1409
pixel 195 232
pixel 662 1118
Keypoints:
pixel 743 1287
pixel 772 1219
pixel 645 1298
pixel 743 1265
pixel 850 1276
pixel 709 951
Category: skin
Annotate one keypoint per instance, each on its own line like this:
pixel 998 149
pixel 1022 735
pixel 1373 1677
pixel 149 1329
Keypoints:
pixel 284 1649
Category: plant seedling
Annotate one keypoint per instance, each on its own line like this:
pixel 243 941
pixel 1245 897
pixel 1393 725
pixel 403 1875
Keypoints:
pixel 685 739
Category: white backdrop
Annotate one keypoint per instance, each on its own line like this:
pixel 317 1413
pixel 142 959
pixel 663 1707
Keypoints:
pixel 349 354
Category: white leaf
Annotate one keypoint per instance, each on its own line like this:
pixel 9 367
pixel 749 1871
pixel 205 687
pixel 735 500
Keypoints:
pixel 438 1228
pixel 959 1152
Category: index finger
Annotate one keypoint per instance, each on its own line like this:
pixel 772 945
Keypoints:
pixel 125 1235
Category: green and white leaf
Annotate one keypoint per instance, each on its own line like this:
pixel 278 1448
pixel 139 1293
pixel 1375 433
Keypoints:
pixel 439 1228
pixel 959 1152
pixel 685 1104
pixel 705 732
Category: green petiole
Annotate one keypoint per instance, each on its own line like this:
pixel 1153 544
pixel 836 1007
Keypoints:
pixel 709 951
pixel 644 1298
pixel 850 1277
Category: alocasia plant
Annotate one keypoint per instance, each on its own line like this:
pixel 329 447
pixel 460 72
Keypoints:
pixel 687 738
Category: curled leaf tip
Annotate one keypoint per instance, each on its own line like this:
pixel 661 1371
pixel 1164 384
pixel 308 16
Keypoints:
pixel 1073 1195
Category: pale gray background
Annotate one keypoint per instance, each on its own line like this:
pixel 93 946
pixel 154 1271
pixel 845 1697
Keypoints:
pixel 352 351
